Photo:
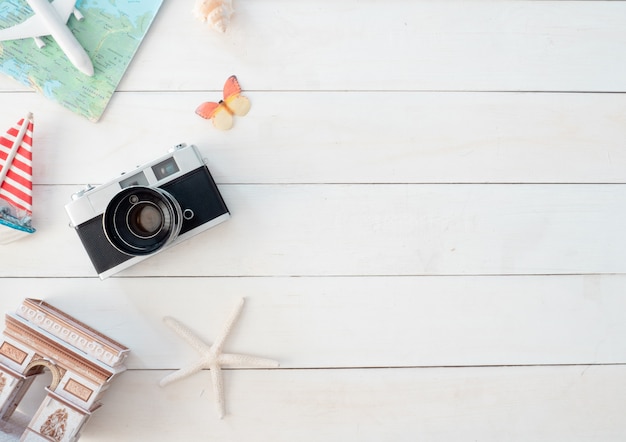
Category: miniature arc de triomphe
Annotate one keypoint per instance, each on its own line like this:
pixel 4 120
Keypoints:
pixel 81 360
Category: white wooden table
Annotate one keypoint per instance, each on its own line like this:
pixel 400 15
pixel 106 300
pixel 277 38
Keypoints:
pixel 428 222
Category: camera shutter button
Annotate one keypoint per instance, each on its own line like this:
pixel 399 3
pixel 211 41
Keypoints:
pixel 188 214
pixel 82 192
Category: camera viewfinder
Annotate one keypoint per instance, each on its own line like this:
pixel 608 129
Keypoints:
pixel 165 168
pixel 138 179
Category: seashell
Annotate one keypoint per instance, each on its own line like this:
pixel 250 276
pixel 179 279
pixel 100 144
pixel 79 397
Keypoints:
pixel 215 12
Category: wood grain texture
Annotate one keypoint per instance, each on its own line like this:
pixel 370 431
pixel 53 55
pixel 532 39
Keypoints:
pixel 400 229
pixel 352 137
pixel 490 404
pixel 312 322
pixel 356 45
pixel 428 204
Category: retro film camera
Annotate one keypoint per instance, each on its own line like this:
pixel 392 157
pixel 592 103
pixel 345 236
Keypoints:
pixel 142 212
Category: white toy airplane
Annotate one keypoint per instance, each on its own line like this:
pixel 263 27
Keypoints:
pixel 51 19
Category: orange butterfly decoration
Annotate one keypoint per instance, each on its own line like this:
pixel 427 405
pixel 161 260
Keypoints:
pixel 233 104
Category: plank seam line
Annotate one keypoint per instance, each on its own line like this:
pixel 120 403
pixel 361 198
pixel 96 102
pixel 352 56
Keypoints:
pixel 401 367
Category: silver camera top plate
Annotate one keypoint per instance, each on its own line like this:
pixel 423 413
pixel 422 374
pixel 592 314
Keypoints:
pixel 92 201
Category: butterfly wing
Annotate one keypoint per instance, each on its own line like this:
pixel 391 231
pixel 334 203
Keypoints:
pixel 231 87
pixel 222 119
pixel 207 109
pixel 237 103
pixel 216 112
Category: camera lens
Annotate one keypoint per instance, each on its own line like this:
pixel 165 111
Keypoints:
pixel 141 220
pixel 145 220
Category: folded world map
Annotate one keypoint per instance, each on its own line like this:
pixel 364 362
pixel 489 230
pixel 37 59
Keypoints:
pixel 110 33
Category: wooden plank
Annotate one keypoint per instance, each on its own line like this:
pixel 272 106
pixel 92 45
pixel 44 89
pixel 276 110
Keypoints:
pixel 298 230
pixel 422 46
pixel 486 404
pixel 353 322
pixel 411 137
pixel 409 226
pixel 272 45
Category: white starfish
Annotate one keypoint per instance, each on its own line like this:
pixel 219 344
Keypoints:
pixel 212 356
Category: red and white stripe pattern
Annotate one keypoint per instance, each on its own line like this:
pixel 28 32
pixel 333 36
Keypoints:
pixel 17 187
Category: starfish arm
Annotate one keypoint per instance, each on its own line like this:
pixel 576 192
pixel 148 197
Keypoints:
pixel 240 360
pixel 186 334
pixel 211 357
pixel 182 373
pixel 219 341
pixel 218 387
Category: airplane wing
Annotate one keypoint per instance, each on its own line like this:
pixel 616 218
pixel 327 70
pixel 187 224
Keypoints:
pixel 34 26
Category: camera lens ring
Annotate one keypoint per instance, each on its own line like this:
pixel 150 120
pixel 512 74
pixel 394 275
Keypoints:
pixel 141 220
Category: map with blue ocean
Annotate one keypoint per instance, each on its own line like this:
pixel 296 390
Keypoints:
pixel 111 33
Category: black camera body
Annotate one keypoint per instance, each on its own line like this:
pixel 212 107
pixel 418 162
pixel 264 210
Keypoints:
pixel 143 212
